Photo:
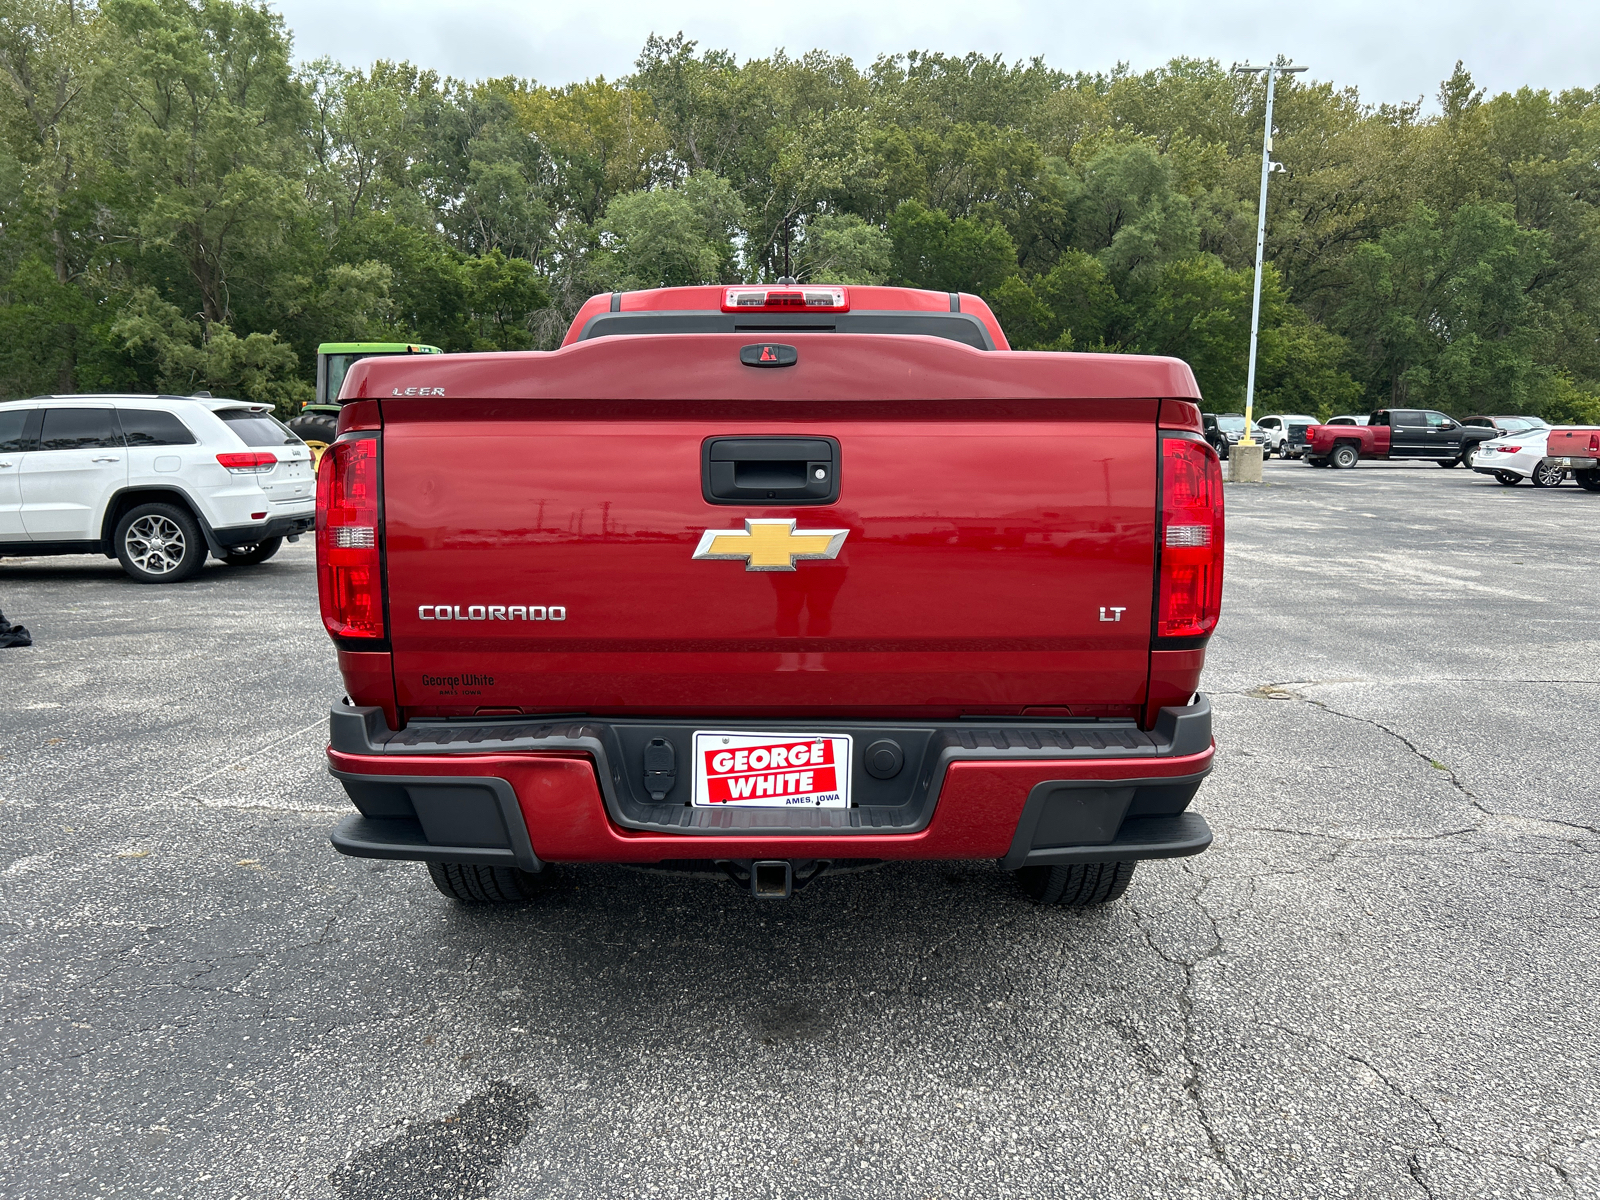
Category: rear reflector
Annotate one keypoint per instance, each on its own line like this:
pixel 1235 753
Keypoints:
pixel 254 462
pixel 1190 598
pixel 785 298
pixel 349 570
pixel 1188 535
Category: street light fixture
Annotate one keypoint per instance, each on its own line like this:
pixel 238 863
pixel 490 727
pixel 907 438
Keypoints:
pixel 1281 67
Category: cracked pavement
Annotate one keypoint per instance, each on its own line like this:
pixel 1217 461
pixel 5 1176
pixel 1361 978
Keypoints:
pixel 1380 982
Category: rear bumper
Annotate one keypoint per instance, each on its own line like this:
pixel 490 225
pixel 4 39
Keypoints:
pixel 246 535
pixel 555 794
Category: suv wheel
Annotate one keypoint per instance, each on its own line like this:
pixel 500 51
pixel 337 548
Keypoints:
pixel 1344 456
pixel 160 543
pixel 474 883
pixel 1076 885
pixel 1547 474
pixel 255 552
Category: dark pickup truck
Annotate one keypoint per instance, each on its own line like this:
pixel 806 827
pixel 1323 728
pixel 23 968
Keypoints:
pixel 1396 433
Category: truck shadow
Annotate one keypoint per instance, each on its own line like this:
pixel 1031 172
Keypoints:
pixel 698 962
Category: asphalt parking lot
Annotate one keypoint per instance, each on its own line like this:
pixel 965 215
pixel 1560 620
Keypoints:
pixel 1381 981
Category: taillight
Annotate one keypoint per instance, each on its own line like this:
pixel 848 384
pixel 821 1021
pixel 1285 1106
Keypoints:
pixel 1190 595
pixel 349 573
pixel 253 462
pixel 1507 449
pixel 785 298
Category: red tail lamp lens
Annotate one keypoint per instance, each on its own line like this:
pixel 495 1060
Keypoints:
pixel 1191 539
pixel 253 462
pixel 349 571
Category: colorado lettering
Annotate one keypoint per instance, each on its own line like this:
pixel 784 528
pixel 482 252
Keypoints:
pixel 492 612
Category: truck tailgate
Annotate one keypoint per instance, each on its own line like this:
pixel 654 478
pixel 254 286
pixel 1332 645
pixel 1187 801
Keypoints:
pixel 998 557
pixel 1573 443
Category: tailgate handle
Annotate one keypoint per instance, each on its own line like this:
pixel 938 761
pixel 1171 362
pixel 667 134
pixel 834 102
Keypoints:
pixel 769 470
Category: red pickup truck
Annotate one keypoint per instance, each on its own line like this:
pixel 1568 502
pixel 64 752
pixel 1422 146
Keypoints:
pixel 766 582
pixel 1577 448
pixel 1398 433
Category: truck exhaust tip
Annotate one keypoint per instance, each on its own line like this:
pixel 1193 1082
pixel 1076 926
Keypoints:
pixel 772 880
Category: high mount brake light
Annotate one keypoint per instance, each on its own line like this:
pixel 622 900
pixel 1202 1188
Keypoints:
pixel 254 462
pixel 786 298
pixel 1190 589
pixel 349 569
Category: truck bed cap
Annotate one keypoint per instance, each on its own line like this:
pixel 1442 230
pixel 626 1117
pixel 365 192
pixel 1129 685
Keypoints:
pixel 831 366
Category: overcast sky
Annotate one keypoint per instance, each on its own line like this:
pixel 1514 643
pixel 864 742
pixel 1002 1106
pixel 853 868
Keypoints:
pixel 1392 50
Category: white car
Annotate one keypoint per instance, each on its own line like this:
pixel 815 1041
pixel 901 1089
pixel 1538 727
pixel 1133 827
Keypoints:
pixel 1513 457
pixel 156 482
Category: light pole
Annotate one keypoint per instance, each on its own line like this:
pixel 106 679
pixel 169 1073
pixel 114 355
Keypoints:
pixel 1281 67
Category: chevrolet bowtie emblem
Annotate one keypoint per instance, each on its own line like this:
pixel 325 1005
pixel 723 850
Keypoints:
pixel 770 545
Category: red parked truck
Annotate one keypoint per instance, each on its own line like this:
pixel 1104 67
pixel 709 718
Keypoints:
pixel 1577 448
pixel 1398 433
pixel 769 581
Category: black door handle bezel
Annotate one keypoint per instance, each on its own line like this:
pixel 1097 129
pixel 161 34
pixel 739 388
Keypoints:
pixel 720 457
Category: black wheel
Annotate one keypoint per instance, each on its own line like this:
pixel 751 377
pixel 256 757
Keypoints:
pixel 1509 478
pixel 256 552
pixel 1468 453
pixel 1450 462
pixel 1315 462
pixel 1345 456
pixel 1589 481
pixel 474 883
pixel 1548 474
pixel 160 543
pixel 316 430
pixel 1077 885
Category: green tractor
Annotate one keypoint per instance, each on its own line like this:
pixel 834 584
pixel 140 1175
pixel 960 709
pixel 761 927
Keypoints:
pixel 318 421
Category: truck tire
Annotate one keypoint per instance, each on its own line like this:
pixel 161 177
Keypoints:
pixel 249 556
pixel 1076 885
pixel 474 883
pixel 1449 462
pixel 316 430
pixel 1344 456
pixel 159 543
pixel 1547 474
pixel 1509 478
pixel 1468 453
pixel 1589 481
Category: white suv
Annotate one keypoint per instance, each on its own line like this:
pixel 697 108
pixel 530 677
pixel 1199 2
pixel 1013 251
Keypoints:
pixel 154 481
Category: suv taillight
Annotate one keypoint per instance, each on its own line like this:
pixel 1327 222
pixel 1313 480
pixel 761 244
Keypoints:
pixel 1189 598
pixel 253 462
pixel 349 571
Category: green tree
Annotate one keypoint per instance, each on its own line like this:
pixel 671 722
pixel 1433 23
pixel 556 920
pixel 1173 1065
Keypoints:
pixel 843 248
pixel 186 356
pixel 672 237
pixel 215 157
pixel 960 254
pixel 1441 313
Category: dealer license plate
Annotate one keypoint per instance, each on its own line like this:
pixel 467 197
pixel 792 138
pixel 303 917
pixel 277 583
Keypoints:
pixel 771 770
